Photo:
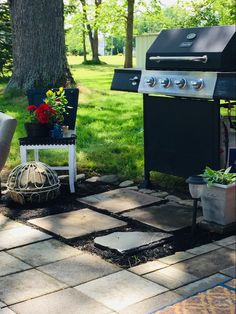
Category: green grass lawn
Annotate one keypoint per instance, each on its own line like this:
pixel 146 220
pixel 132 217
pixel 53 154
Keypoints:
pixel 109 123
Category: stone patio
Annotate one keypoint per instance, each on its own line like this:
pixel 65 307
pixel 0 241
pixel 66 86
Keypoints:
pixel 40 274
pixel 124 242
pixel 77 223
pixel 119 200
pixel 168 217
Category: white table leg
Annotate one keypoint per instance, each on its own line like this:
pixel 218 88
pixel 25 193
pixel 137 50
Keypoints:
pixel 23 154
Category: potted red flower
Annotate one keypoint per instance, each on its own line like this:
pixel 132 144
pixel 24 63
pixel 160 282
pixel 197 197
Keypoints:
pixel 40 120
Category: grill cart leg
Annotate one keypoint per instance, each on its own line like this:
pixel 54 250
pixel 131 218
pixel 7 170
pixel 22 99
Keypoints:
pixel 146 182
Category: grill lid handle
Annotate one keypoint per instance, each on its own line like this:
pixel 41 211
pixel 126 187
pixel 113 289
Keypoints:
pixel 202 59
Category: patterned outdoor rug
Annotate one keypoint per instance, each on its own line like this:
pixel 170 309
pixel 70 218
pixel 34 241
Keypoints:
pixel 218 300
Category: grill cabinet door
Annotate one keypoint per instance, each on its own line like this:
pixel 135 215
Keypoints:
pixel 181 136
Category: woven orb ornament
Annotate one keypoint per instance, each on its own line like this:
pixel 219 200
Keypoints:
pixel 33 182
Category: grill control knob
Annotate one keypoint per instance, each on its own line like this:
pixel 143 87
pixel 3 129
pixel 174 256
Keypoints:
pixel 150 81
pixel 197 84
pixel 180 83
pixel 165 82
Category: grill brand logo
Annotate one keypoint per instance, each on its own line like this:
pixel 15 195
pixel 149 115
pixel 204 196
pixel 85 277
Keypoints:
pixel 191 36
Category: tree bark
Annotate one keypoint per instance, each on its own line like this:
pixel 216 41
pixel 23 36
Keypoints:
pixel 84 47
pixel 129 35
pixel 39 53
pixel 93 34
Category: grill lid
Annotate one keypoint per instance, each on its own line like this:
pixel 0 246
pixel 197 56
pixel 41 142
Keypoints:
pixel 204 48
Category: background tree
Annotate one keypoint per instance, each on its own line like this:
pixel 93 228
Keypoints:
pixel 129 34
pixel 5 40
pixel 39 54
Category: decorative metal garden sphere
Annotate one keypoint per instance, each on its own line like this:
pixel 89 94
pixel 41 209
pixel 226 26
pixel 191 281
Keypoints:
pixel 33 182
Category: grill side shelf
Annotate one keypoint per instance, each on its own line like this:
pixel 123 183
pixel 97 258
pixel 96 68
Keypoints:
pixel 126 80
pixel 225 86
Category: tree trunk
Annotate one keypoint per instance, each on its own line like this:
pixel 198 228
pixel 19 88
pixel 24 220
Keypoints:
pixel 93 34
pixel 129 35
pixel 39 54
pixel 84 47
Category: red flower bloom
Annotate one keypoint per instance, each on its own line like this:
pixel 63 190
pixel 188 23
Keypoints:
pixel 42 113
pixel 31 107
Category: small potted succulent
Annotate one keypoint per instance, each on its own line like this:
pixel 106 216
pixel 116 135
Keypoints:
pixel 219 196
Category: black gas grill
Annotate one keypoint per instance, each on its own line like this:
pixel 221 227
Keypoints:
pixel 188 72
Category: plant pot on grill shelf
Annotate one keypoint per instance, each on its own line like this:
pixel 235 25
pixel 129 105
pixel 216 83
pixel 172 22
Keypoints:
pixel 38 129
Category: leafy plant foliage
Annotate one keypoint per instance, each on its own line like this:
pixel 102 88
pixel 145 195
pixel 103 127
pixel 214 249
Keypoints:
pixel 222 176
pixel 5 40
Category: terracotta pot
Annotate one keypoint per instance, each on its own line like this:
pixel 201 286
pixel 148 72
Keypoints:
pixel 38 129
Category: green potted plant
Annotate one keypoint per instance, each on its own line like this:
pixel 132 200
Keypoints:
pixel 219 196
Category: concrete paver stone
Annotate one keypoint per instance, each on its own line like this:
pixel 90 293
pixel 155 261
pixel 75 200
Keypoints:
pixel 215 261
pixel 232 246
pixel 2 304
pixel 45 252
pixel 147 267
pixel 77 223
pixel 226 241
pixel 203 249
pixel 10 264
pixel 230 271
pixel 119 200
pixel 6 310
pixel 120 289
pixel 67 301
pixel 20 236
pixel 201 285
pixel 168 217
pixel 152 304
pixel 175 258
pixel 79 269
pixel 7 223
pixel 26 285
pixel 171 277
pixel 126 241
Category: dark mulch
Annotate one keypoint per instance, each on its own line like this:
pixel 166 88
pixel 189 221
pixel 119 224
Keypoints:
pixel 181 240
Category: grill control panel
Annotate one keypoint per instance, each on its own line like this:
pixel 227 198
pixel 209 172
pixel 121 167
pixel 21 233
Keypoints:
pixel 178 83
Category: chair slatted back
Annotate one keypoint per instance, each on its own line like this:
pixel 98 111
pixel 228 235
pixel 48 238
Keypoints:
pixel 37 96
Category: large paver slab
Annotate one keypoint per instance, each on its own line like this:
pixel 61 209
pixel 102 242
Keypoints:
pixel 129 241
pixel 203 249
pixel 121 289
pixel 230 271
pixel 167 217
pixel 26 285
pixel 79 269
pixel 10 264
pixel 152 304
pixel 7 223
pixel 171 277
pixel 226 241
pixel 77 223
pixel 119 200
pixel 45 252
pixel 6 310
pixel 147 267
pixel 201 285
pixel 20 236
pixel 208 264
pixel 2 304
pixel 175 258
pixel 61 302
